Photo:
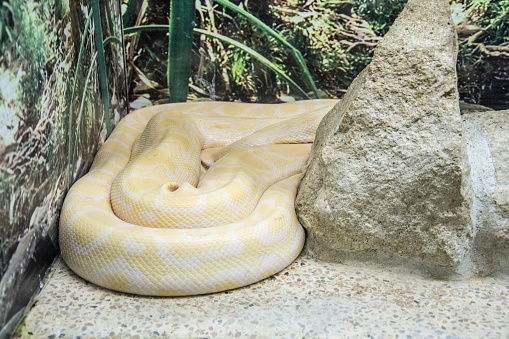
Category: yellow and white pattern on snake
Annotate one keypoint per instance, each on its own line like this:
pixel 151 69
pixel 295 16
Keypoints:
pixel 236 227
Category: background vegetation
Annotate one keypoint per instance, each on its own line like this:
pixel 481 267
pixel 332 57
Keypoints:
pixel 483 58
pixel 62 87
pixel 336 39
pixel 29 53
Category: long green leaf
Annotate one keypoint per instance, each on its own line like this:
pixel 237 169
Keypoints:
pixel 269 31
pixel 276 69
pixel 111 39
pixel 145 28
pixel 101 63
pixel 86 88
pixel 70 144
pixel 179 49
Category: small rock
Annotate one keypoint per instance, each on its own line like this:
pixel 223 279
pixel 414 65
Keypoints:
pixel 141 102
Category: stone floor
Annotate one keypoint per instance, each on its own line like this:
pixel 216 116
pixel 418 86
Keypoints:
pixel 310 299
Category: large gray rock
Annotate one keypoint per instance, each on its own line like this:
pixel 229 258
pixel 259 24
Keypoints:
pixel 388 175
pixel 488 149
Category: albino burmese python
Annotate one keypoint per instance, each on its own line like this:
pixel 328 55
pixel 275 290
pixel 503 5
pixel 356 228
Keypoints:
pixel 191 198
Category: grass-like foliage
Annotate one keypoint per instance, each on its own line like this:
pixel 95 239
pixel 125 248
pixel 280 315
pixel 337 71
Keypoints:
pixel 101 63
pixel 483 58
pixel 380 14
pixel 252 53
pixel 6 34
pixel 180 32
pixel 237 70
pixel 278 38
pixel 320 45
pixel 32 50
pixel 72 119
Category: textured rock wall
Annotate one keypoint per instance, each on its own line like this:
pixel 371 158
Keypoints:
pixel 388 175
pixel 487 135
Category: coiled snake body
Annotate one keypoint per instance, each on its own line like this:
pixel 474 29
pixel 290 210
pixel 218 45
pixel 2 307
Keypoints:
pixel 191 198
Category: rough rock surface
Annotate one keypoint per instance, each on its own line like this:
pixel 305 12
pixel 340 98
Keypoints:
pixel 388 175
pixel 488 149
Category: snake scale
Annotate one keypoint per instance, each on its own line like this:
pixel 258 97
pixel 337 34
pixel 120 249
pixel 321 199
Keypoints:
pixel 191 198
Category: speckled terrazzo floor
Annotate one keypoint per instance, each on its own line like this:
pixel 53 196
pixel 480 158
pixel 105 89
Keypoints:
pixel 308 299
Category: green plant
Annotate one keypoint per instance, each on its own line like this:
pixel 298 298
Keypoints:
pixel 272 66
pixel 240 69
pixel 75 119
pixel 275 68
pixel 179 48
pixel 77 73
pixel 483 57
pixel 271 63
pixel 380 13
pixel 278 38
pixel 6 33
pixel 32 50
pixel 131 12
pixel 101 62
